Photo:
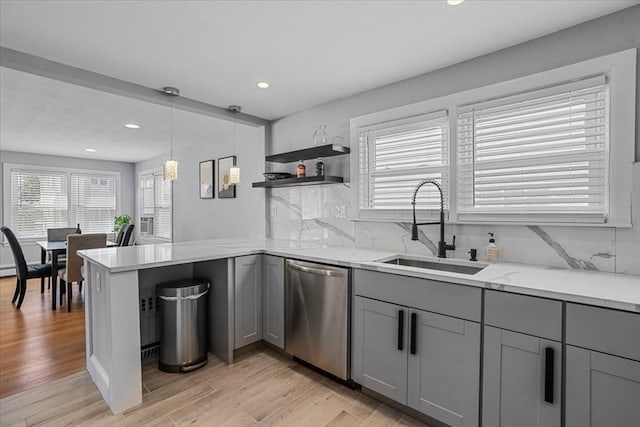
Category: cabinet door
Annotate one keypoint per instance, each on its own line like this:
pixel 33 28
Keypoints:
pixel 444 368
pixel 380 347
pixel 273 300
pixel 602 390
pixel 248 299
pixel 519 387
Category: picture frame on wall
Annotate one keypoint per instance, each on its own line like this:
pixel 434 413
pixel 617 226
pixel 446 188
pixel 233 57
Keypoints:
pixel 226 190
pixel 207 173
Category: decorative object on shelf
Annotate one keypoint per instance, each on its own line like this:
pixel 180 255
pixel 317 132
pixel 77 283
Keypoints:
pixel 234 171
pixel 301 170
pixel 170 164
pixel 319 167
pixel 119 222
pixel 226 189
pixel 207 169
pixel 319 135
pixel 271 176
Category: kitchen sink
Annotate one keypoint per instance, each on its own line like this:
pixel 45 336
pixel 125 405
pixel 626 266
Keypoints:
pixel 454 267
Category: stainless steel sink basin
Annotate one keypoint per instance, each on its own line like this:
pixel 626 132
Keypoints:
pixel 435 265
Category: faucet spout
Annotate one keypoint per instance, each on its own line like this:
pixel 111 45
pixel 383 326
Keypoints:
pixel 443 247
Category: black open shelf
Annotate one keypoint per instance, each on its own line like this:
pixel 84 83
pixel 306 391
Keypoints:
pixel 328 150
pixel 293 182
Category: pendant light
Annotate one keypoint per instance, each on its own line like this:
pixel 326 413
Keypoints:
pixel 171 165
pixel 234 171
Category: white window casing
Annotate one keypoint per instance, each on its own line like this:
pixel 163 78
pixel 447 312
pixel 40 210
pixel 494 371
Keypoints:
pixel 542 153
pixel 41 197
pixel 155 205
pixel 593 152
pixel 395 156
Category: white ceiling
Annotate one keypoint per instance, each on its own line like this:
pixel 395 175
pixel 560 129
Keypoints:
pixel 310 51
pixel 40 115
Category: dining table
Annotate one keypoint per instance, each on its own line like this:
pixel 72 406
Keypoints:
pixel 55 249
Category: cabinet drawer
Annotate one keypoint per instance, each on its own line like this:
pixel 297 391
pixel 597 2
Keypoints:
pixel 609 331
pixel 521 313
pixel 429 295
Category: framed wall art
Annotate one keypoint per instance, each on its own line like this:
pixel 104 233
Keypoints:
pixel 226 190
pixel 207 172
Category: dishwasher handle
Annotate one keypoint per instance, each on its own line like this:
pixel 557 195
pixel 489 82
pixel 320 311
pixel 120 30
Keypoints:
pixel 317 271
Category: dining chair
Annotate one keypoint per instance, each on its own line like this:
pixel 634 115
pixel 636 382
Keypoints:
pixel 58 235
pixel 23 271
pixel 73 271
pixel 126 238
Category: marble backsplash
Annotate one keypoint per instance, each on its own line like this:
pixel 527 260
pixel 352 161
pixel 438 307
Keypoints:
pixel 323 214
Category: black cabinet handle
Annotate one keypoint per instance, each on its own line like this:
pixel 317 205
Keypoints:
pixel 548 375
pixel 400 330
pixel 414 321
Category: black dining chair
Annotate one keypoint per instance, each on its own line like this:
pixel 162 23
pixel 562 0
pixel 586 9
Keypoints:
pixel 126 236
pixel 23 271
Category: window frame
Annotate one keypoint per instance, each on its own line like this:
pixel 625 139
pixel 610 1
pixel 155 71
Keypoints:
pixel 620 71
pixel 407 123
pixel 154 172
pixel 68 173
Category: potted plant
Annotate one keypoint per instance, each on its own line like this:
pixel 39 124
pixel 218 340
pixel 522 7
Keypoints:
pixel 120 221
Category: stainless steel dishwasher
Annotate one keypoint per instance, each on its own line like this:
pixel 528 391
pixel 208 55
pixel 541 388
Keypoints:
pixel 317 316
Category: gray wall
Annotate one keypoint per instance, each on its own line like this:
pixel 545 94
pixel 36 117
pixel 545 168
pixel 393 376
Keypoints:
pixel 127 187
pixel 198 219
pixel 609 34
pixel 322 214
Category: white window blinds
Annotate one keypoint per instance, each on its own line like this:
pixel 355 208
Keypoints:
pixel 396 156
pixel 93 202
pixel 38 201
pixel 155 206
pixel 538 155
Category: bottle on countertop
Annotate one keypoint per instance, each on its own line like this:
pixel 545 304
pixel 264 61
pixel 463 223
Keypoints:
pixel 492 253
pixel 78 231
pixel 301 170
pixel 319 167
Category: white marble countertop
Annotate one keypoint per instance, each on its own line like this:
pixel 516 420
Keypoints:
pixel 610 290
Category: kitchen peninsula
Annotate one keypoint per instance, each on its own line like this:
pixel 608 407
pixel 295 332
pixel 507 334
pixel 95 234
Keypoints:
pixel 117 277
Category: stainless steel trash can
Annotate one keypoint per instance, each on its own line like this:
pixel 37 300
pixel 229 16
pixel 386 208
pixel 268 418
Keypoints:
pixel 183 324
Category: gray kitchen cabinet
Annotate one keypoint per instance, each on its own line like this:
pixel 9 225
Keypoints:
pixel 273 300
pixel 444 368
pixel 427 361
pixel 603 367
pixel 379 359
pixel 248 300
pixel 602 390
pixel 521 380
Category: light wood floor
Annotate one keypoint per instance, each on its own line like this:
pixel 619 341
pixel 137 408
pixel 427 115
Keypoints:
pixel 38 345
pixel 262 387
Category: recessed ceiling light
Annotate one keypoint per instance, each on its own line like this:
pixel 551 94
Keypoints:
pixel 455 2
pixel 132 126
pixel 262 85
pixel 90 150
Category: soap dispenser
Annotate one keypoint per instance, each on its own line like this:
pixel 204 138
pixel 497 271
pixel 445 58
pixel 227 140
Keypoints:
pixel 492 253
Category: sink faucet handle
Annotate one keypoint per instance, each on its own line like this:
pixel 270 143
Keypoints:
pixel 453 248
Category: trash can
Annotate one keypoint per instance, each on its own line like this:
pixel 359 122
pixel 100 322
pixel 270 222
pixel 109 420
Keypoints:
pixel 183 324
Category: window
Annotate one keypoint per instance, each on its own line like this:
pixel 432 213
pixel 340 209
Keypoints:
pixel 49 198
pixel 539 153
pixel 155 206
pixel 93 202
pixel 395 156
pixel 555 147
